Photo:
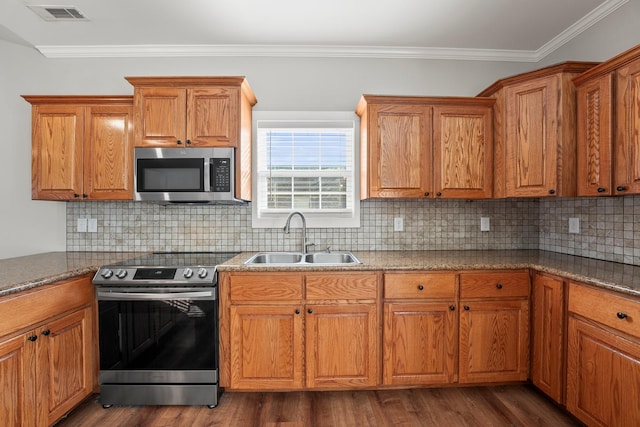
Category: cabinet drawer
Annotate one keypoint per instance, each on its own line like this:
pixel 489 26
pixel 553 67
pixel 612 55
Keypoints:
pixel 266 286
pixel 341 286
pixel 420 285
pixel 494 284
pixel 606 308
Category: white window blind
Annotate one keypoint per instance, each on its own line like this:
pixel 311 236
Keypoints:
pixel 306 165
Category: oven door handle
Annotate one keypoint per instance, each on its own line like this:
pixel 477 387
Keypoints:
pixel 115 295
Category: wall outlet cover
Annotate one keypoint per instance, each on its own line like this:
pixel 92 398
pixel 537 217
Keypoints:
pixel 485 223
pixel 398 224
pixel 574 225
pixel 82 225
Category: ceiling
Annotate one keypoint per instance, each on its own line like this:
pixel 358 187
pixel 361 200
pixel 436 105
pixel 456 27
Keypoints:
pixel 509 30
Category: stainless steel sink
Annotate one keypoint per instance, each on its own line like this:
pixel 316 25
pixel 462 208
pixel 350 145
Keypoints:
pixel 300 259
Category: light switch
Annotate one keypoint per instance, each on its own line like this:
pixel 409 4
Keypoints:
pixel 82 225
pixel 92 225
pixel 485 223
pixel 398 224
pixel 574 225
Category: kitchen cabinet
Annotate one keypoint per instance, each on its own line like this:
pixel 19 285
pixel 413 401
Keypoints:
pixel 82 147
pixel 279 340
pixel 548 335
pixel 197 112
pixel 534 132
pixel 420 328
pixel 494 326
pixel 608 121
pixel 46 352
pixel 418 147
pixel 603 357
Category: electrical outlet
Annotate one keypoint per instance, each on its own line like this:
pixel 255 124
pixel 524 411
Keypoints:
pixel 485 224
pixel 398 224
pixel 574 225
pixel 92 225
pixel 81 225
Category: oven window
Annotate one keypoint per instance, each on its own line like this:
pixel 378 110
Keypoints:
pixel 160 175
pixel 158 335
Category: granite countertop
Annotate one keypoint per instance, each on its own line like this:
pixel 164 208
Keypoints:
pixel 18 274
pixel 622 278
pixel 26 272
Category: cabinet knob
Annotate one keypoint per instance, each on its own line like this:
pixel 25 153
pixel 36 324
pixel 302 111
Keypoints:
pixel 427 194
pixel 76 195
pixel 297 311
pixel 179 142
pixel 622 315
pixel 46 332
pixel 32 338
pixel 452 307
pixel 309 311
pixel 420 287
pixel 188 142
pixel 466 307
pixel 84 196
pixel 601 190
pixel 621 188
pixel 552 191
pixel 439 194
pixel 499 286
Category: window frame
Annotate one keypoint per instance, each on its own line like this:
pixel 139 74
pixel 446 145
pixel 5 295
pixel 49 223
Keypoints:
pixel 313 219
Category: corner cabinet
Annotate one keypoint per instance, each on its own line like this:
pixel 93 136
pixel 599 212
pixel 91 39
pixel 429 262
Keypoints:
pixel 534 132
pixel 419 147
pixel 46 352
pixel 82 147
pixel 289 331
pixel 197 112
pixel 608 121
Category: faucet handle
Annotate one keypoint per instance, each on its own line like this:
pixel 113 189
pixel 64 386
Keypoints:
pixel 328 249
pixel 306 246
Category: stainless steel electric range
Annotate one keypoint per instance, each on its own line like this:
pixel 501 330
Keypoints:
pixel 158 330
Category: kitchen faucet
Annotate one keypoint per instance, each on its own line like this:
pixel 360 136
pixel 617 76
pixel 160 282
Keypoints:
pixel 287 226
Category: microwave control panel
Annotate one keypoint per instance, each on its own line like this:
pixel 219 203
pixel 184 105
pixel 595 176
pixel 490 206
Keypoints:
pixel 221 175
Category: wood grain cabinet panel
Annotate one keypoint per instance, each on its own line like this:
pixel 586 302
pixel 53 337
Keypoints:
pixel 548 332
pixel 418 147
pixel 82 148
pixel 17 382
pixel 627 140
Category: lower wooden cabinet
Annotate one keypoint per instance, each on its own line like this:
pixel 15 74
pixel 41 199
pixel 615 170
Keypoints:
pixel 48 367
pixel 548 335
pixel 603 357
pixel 279 340
pixel 494 327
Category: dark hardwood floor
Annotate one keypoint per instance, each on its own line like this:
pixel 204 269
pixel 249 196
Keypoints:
pixel 513 405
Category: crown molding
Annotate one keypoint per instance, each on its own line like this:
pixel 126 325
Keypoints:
pixel 332 51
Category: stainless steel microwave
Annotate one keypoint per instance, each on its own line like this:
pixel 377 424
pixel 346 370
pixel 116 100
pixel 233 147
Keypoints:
pixel 198 175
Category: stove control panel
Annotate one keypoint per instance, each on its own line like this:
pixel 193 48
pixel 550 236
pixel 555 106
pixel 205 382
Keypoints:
pixel 166 276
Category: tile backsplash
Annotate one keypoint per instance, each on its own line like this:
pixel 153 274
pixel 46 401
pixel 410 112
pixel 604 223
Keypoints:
pixel 609 227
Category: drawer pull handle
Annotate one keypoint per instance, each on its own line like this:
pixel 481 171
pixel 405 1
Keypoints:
pixel 466 307
pixel 621 315
pixel 32 338
pixel 46 332
pixel 499 286
pixel 420 287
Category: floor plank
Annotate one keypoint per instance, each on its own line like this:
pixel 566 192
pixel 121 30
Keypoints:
pixel 513 405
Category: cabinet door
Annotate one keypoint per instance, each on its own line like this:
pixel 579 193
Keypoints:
pixel 213 116
pixel 341 345
pixel 532 138
pixel 419 343
pixel 627 142
pixel 160 116
pixel 400 151
pixel 462 145
pixel 57 152
pixel 594 133
pixel 65 365
pixel 108 153
pixel 548 335
pixel 266 347
pixel 17 382
pixel 603 376
pixel 494 341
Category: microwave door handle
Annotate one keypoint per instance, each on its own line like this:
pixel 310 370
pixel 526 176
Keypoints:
pixel 110 295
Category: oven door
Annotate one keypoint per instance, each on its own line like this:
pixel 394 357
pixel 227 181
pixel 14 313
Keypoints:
pixel 158 336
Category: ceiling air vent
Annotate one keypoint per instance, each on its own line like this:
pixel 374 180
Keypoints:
pixel 59 13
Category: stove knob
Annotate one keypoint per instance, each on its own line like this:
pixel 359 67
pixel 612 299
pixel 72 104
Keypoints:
pixel 106 273
pixel 121 274
pixel 202 273
pixel 187 273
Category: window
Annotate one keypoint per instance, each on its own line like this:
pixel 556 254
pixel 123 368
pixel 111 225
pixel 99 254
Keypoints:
pixel 305 162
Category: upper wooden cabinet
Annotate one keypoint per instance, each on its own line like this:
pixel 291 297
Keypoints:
pixel 534 132
pixel 82 147
pixel 418 147
pixel 192 111
pixel 608 122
